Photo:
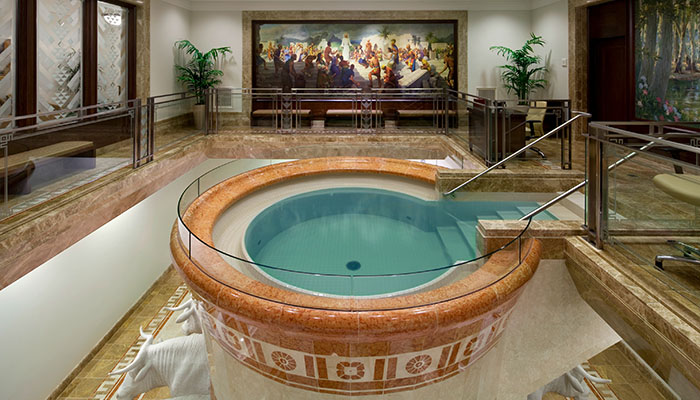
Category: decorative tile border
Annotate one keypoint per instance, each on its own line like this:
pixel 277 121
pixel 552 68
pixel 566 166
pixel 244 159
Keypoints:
pixel 111 384
pixel 357 375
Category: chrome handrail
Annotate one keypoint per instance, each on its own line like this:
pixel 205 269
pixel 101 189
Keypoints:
pixel 579 114
pixel 667 143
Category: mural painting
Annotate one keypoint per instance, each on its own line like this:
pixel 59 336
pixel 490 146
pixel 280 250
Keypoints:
pixel 667 60
pixel 407 54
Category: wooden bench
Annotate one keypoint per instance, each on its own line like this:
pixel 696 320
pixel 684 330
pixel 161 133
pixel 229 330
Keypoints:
pixel 270 115
pixel 21 166
pixel 349 113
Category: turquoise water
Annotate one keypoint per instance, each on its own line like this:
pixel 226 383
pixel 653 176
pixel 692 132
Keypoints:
pixel 355 234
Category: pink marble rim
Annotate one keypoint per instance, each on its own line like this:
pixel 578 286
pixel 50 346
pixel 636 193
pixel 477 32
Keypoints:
pixel 213 278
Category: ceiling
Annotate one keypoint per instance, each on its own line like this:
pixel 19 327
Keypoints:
pixel 214 5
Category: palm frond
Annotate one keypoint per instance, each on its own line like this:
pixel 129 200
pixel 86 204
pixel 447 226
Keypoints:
pixel 522 75
pixel 198 74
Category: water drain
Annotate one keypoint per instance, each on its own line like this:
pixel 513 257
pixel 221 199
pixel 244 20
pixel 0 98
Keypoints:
pixel 353 265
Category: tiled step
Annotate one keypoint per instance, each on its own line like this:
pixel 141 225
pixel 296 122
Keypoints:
pixel 456 247
pixel 468 232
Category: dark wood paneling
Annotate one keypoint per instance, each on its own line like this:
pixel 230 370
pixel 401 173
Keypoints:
pixel 611 63
pixel 608 91
pixel 131 50
pixel 89 66
pixel 25 89
pixel 608 20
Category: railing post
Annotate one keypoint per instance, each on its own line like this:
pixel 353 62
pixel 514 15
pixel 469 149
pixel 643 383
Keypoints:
pixel 5 138
pixel 135 115
pixel 207 110
pixel 597 190
pixel 150 126
pixel 445 111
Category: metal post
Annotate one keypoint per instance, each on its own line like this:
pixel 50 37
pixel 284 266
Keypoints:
pixel 4 140
pixel 207 110
pixel 596 201
pixel 151 127
pixel 445 109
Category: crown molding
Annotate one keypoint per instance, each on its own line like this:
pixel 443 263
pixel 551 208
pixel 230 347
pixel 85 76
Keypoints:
pixel 309 5
pixel 186 4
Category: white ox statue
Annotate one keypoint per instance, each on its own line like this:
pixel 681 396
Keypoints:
pixel 570 384
pixel 179 363
pixel 190 316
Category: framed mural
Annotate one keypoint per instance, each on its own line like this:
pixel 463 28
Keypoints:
pixel 358 54
pixel 667 60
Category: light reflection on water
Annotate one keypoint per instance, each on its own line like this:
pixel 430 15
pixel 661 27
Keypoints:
pixel 685 96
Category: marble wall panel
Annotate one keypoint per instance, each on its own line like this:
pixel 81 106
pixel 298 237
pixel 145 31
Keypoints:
pixel 663 340
pixel 505 180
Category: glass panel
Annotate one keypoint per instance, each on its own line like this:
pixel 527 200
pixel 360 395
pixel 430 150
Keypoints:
pixel 59 55
pixel 6 57
pixel 111 53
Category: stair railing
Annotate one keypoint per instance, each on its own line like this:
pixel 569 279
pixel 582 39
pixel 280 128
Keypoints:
pixel 579 114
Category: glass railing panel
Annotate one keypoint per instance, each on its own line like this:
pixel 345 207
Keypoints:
pixel 176 118
pixel 47 161
pixel 653 214
pixel 233 107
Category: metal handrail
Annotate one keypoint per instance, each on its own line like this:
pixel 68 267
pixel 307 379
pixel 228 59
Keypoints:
pixel 579 114
pixel 679 146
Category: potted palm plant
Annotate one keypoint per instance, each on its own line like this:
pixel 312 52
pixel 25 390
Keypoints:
pixel 199 74
pixel 522 75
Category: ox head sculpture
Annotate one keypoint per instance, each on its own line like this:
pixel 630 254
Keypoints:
pixel 189 318
pixel 139 377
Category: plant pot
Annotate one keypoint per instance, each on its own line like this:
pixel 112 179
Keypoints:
pixel 198 111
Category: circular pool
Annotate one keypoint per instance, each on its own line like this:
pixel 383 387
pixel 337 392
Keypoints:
pixel 307 338
pixel 384 238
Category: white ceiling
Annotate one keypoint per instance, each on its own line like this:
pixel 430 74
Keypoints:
pixel 214 5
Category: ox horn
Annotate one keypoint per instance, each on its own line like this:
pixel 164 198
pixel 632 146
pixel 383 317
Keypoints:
pixel 183 306
pixel 140 357
pixel 590 377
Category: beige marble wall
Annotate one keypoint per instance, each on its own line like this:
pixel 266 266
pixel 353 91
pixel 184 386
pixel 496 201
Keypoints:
pixel 250 16
pixel 648 323
pixel 143 50
pixel 578 58
pixel 31 238
pixel 492 234
pixel 511 180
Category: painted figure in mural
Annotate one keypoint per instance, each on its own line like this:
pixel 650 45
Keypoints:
pixel 425 65
pixel 376 69
pixel 327 54
pixel 334 72
pixel 394 49
pixel 390 79
pixel 347 79
pixel 368 49
pixel 346 46
pixel 449 65
pixel 277 58
pixel 288 74
pixel 322 79
pixel 261 61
